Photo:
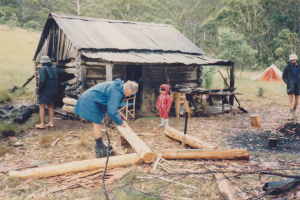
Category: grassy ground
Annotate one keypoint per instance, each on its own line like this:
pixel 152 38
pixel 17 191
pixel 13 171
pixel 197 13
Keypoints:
pixel 16 54
pixel 76 141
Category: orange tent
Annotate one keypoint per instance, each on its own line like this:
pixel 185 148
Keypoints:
pixel 270 76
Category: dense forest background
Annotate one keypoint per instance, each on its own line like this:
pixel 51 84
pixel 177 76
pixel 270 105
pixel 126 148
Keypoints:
pixel 252 33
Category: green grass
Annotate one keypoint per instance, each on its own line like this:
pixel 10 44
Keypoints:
pixel 5 96
pixel 18 47
pixel 8 129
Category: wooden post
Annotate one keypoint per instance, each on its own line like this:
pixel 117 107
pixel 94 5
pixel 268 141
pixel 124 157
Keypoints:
pixel 255 121
pixel 205 154
pixel 137 144
pixel 190 140
pixel 224 187
pixel 83 79
pixel 231 98
pixel 109 71
pixel 85 165
pixel 144 86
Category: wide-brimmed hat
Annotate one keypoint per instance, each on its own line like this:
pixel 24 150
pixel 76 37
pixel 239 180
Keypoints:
pixel 293 57
pixel 45 59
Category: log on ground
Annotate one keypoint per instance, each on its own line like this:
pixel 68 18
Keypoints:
pixel 137 144
pixel 189 140
pixel 224 187
pixel 85 165
pixel 206 154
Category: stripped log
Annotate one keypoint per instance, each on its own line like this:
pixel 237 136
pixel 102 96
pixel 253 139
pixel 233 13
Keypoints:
pixel 69 109
pixel 224 187
pixel 70 101
pixel 137 144
pixel 85 165
pixel 190 140
pixel 67 70
pixel 212 154
pixel 70 82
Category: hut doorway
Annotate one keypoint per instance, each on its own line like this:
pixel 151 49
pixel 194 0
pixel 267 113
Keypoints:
pixel 135 73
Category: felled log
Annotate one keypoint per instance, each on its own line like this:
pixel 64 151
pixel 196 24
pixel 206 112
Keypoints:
pixel 255 121
pixel 189 140
pixel 25 114
pixel 69 109
pixel 70 82
pixel 85 165
pixel 67 70
pixel 281 186
pixel 69 101
pixel 224 187
pixel 212 154
pixel 137 144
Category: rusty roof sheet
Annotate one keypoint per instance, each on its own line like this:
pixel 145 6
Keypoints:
pixel 102 34
pixel 153 58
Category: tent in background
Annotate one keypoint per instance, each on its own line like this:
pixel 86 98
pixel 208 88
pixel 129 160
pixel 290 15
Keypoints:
pixel 271 74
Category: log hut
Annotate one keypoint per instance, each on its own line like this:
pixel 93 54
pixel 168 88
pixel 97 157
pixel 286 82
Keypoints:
pixel 88 51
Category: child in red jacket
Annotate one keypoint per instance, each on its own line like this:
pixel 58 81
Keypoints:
pixel 164 104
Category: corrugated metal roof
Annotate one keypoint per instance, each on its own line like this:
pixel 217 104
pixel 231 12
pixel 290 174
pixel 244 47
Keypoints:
pixel 153 58
pixel 95 33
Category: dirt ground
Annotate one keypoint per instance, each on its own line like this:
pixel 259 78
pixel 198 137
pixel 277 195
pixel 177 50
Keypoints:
pixel 227 131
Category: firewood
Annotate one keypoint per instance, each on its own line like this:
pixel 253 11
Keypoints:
pixel 224 187
pixel 190 140
pixel 85 165
pixel 255 121
pixel 69 109
pixel 137 144
pixel 70 101
pixel 215 154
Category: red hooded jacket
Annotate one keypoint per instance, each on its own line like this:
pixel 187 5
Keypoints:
pixel 164 102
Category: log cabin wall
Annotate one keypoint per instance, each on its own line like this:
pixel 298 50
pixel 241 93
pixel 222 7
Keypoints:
pixel 155 75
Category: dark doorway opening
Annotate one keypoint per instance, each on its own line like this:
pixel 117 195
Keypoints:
pixel 135 73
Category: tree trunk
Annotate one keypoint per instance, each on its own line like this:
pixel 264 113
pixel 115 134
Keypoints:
pixel 190 140
pixel 86 165
pixel 204 154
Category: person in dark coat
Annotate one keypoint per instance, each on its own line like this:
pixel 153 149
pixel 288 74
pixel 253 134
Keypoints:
pixel 47 90
pixel 291 76
pixel 100 99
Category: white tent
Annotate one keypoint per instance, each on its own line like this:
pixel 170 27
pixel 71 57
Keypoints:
pixel 272 66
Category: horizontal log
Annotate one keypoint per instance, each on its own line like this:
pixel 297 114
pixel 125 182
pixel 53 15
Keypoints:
pixel 206 154
pixel 69 109
pixel 85 165
pixel 95 63
pixel 69 101
pixel 70 82
pixel 189 140
pixel 100 76
pixel 67 70
pixel 70 64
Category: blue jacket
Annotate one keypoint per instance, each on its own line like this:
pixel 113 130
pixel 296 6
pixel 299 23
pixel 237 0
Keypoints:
pixel 288 78
pixel 109 94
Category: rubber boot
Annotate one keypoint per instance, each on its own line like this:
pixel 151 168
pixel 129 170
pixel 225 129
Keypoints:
pixel 101 149
pixel 162 122
pixel 292 116
pixel 167 122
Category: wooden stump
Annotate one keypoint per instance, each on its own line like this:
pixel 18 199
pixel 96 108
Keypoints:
pixel 255 121
pixel 206 154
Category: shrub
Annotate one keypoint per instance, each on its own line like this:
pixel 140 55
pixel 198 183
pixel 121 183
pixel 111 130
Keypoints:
pixel 33 25
pixel 2 17
pixel 208 76
pixel 4 96
pixel 12 23
pixel 8 129
pixel 261 91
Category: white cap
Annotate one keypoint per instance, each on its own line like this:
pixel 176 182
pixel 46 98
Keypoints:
pixel 293 57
